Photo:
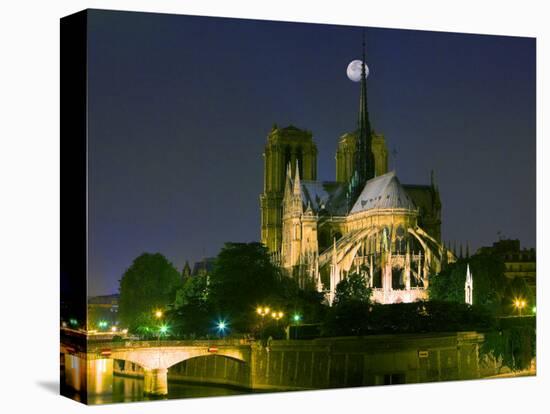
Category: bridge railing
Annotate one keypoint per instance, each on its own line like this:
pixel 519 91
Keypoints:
pixel 97 345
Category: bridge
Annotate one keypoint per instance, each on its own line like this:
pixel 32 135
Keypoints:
pixel 155 357
pixel 279 364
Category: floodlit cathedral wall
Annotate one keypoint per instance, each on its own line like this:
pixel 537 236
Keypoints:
pixel 379 237
pixel 365 222
pixel 380 153
pixel 284 146
pixel 304 235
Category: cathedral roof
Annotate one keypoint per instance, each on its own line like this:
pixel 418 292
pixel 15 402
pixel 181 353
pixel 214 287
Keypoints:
pixel 384 191
pixel 325 195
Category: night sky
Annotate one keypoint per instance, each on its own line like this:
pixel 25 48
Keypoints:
pixel 180 108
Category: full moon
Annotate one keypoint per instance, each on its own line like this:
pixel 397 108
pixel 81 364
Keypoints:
pixel 354 70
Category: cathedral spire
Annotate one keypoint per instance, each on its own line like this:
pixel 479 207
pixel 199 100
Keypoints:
pixel 297 185
pixel 364 160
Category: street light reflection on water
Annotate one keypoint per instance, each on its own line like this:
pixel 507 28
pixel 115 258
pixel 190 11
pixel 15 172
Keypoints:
pixel 105 388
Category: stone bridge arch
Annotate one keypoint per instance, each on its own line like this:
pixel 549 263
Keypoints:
pixel 165 357
pixel 156 361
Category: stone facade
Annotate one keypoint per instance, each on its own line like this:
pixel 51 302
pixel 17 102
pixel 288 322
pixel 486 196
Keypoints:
pixel 346 155
pixel 285 146
pixel 365 222
pixel 379 236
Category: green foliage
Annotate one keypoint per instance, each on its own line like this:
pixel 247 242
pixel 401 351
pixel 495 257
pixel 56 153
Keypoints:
pixel 146 326
pixel 353 288
pixel 194 292
pixel 191 315
pixel 149 283
pixel 349 318
pixel 488 277
pixel 244 278
pixel 359 318
pixel 513 343
pixel 351 308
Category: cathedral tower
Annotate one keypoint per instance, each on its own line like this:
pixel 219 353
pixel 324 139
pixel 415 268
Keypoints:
pixel 284 146
pixel 346 154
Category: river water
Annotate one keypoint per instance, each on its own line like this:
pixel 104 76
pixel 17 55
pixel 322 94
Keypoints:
pixel 126 389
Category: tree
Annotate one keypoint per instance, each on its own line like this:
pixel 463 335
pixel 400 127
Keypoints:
pixel 489 282
pixel 513 342
pixel 348 318
pixel 242 278
pixel 193 292
pixel 149 283
pixel 352 288
pixel 349 314
pixel 359 318
pixel 191 314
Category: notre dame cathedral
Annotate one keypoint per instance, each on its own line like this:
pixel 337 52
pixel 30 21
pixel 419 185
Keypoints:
pixel 364 222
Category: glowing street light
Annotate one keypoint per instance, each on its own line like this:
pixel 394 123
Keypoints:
pixel 519 304
pixel 263 311
pixel 296 318
pixel 113 328
pixel 221 327
pixel 277 315
pixel 158 314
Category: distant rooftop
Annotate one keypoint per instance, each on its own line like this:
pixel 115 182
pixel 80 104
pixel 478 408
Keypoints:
pixel 203 266
pixel 103 299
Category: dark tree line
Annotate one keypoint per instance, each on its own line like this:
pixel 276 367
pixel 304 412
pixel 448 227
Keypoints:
pixel 242 279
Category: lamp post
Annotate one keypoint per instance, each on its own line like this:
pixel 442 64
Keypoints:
pixel 162 327
pixel 277 316
pixel 222 327
pixel 519 304
pixel 296 318
pixel 263 311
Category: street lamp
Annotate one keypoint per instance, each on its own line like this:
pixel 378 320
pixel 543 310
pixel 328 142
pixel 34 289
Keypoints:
pixel 158 314
pixel 263 311
pixel 221 327
pixel 519 304
pixel 296 318
pixel 277 315
pixel 163 330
